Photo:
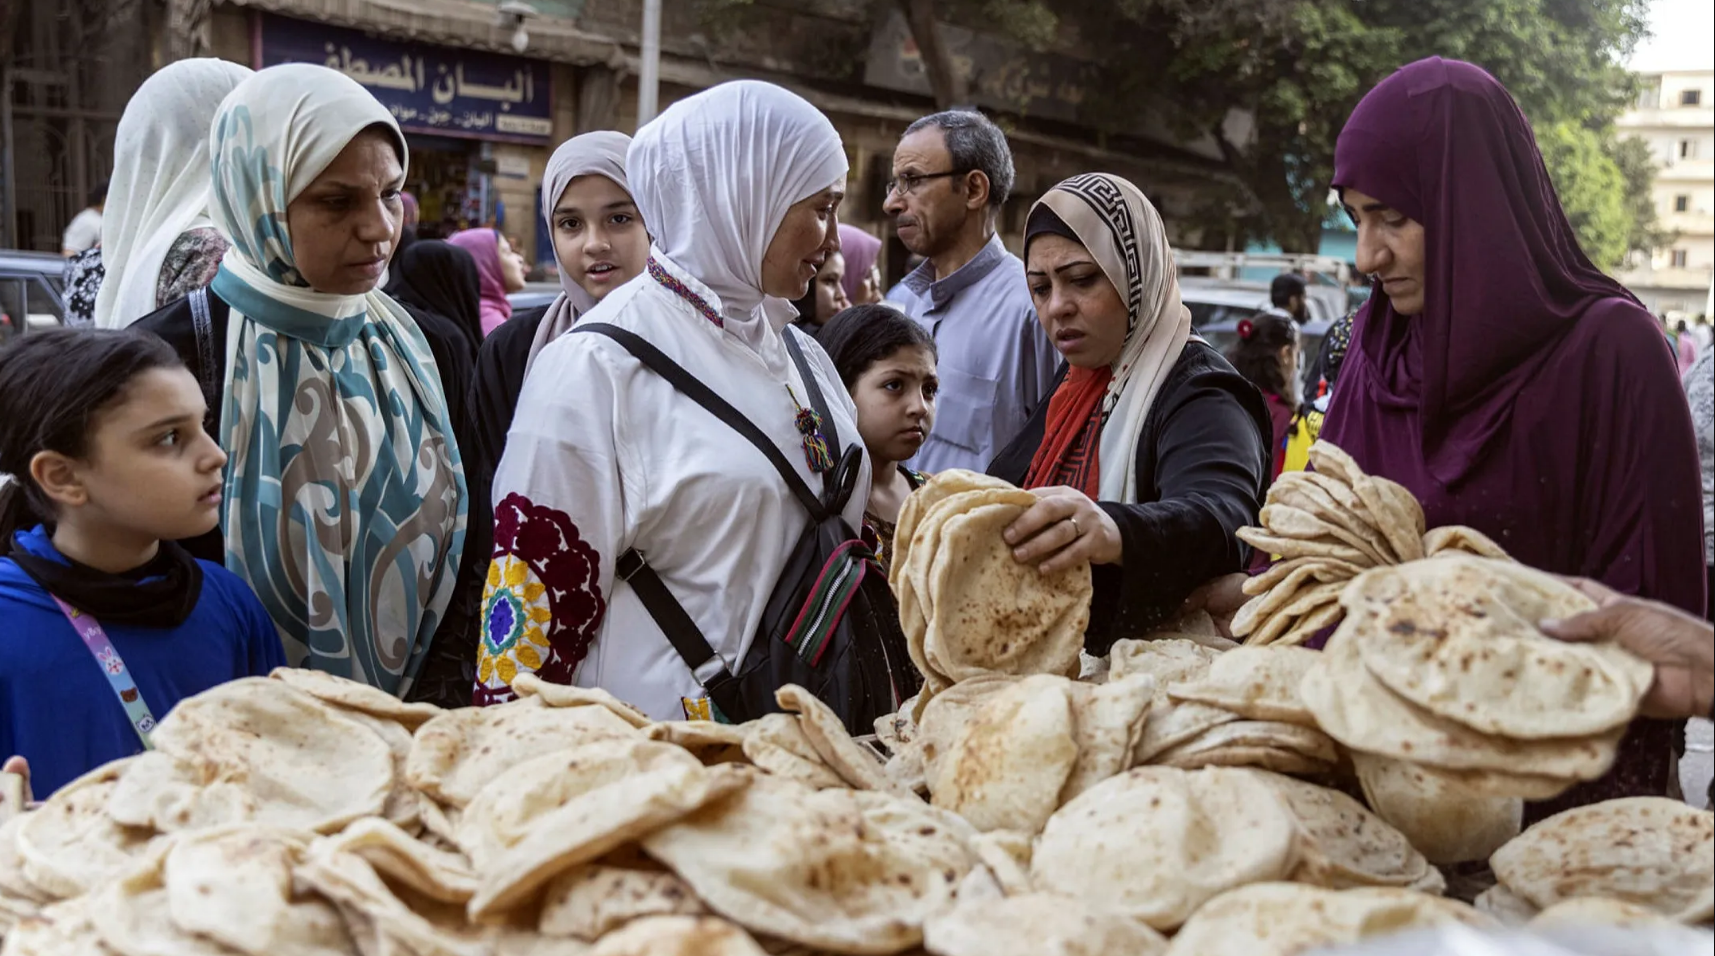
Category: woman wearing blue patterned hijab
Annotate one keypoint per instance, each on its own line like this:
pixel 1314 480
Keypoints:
pixel 344 503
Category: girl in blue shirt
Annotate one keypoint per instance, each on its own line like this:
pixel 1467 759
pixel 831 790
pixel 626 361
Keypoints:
pixel 105 623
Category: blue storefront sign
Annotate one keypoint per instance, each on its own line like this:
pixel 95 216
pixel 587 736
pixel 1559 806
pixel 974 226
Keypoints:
pixel 429 89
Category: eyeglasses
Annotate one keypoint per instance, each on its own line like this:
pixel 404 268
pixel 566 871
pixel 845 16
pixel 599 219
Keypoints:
pixel 907 183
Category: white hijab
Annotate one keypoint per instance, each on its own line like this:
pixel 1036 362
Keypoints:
pixel 1125 235
pixel 160 184
pixel 714 176
pixel 601 153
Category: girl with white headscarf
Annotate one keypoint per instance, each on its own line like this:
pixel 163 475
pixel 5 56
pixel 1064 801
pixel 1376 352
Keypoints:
pixel 344 500
pixel 1153 450
pixel 612 239
pixel 739 185
pixel 599 241
pixel 157 241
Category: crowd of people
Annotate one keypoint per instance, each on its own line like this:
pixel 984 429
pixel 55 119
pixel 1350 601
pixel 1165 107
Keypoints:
pixel 299 435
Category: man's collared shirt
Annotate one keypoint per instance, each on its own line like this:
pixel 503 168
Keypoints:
pixel 995 362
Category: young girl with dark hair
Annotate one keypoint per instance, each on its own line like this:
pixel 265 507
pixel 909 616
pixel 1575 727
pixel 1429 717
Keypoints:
pixel 1267 355
pixel 887 362
pixel 107 622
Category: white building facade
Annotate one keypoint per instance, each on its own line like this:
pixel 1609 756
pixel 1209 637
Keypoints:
pixel 1675 115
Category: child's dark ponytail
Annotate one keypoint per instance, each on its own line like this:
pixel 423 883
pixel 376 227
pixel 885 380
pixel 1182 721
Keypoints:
pixel 1256 355
pixel 52 385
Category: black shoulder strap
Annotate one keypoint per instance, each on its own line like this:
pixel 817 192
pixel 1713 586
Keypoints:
pixel 208 364
pixel 696 391
pixel 830 431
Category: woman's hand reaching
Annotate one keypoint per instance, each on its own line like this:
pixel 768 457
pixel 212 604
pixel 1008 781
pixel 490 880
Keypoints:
pixel 1061 530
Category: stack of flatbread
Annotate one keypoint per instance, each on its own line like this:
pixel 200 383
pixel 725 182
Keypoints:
pixel 967 607
pixel 308 816
pixel 1440 664
pixel 1240 709
pixel 1637 860
pixel 1326 527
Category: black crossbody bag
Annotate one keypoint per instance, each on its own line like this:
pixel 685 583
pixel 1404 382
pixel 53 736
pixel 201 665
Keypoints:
pixel 831 624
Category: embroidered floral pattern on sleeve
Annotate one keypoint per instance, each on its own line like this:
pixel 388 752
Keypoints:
pixel 542 604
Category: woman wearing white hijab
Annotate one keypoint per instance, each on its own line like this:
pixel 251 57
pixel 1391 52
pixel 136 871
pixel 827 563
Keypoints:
pixel 1153 450
pixel 157 242
pixel 740 185
pixel 599 245
pixel 344 501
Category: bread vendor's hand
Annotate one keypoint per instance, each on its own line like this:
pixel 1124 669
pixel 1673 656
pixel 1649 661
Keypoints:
pixel 1063 529
pixel 21 767
pixel 1681 647
pixel 1221 598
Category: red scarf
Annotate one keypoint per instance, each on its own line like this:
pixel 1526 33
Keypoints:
pixel 1071 441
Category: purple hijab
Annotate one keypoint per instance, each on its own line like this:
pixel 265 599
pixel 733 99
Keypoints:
pixel 1533 399
pixel 860 250
pixel 484 246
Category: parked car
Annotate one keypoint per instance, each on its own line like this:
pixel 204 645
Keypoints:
pixel 1219 305
pixel 32 291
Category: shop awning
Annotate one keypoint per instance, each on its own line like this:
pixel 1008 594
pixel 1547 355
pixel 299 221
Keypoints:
pixel 459 23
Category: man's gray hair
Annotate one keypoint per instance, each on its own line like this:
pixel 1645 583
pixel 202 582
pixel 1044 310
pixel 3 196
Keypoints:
pixel 974 142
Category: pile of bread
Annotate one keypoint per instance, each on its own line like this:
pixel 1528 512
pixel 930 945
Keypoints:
pixel 1326 527
pixel 1186 797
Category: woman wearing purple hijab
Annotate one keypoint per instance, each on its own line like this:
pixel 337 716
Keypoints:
pixel 1495 372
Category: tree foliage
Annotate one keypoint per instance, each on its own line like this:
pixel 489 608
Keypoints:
pixel 1591 188
pixel 1300 66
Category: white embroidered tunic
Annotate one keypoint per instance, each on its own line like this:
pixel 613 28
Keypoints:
pixel 604 456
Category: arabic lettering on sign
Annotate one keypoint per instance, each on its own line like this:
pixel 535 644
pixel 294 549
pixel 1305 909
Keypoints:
pixel 426 88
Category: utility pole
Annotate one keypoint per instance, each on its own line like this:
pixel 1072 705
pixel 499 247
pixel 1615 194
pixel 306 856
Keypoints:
pixel 649 78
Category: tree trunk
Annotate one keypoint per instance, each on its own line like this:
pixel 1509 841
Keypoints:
pixel 948 86
pixel 1296 226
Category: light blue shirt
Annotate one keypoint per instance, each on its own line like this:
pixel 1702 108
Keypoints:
pixel 996 364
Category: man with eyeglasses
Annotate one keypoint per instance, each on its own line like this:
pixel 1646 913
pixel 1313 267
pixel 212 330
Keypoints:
pixel 952 173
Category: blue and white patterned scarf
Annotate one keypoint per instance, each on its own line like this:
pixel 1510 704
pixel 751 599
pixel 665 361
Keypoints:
pixel 345 498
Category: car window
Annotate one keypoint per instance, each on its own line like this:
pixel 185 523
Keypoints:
pixel 1208 313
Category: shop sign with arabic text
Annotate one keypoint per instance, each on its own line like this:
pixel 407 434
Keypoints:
pixel 429 89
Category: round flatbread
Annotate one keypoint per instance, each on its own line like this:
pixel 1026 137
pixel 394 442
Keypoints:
pixel 1286 919
pixel 70 844
pixel 776 744
pixel 856 764
pixel 1652 851
pixel 1447 822
pixel 597 821
pixel 1257 683
pixel 1458 539
pixel 991 614
pixel 1037 924
pixel 1008 764
pixel 679 936
pixel 1282 546
pixel 305 763
pixel 458 753
pixel 1344 845
pixel 1156 843
pixel 351 695
pixel 1319 569
pixel 591 901
pixel 1458 637
pixel 1356 709
pixel 852 871
pixel 1107 725
pixel 1294 522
